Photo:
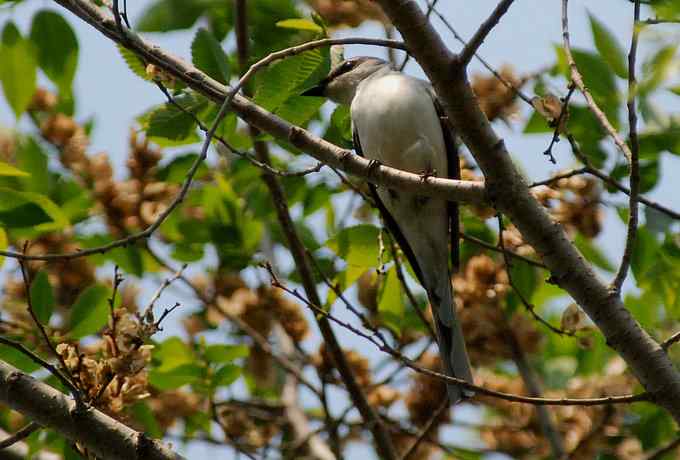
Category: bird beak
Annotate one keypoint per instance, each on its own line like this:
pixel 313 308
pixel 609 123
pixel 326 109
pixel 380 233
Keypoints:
pixel 318 90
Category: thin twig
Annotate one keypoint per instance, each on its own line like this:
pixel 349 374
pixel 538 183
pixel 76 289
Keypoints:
pixel 66 377
pixel 564 111
pixel 483 31
pixel 148 311
pixel 483 61
pixel 527 305
pixel 558 177
pixel 425 430
pixel 577 78
pixel 42 363
pixel 652 21
pixel 613 183
pixel 675 338
pixel 659 453
pixel 373 338
pixel 21 434
pixel 634 160
pixel 491 247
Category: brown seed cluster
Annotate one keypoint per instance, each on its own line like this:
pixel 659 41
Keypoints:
pixel 111 372
pixel 495 98
pixel 128 205
pixel 348 12
pixel 378 395
pixel 586 431
pixel 250 432
pixel 480 289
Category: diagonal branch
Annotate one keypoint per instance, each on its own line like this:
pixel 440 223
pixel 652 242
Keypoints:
pixel 104 436
pixel 508 189
pixel 478 38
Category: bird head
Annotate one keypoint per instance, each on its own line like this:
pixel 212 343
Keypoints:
pixel 343 80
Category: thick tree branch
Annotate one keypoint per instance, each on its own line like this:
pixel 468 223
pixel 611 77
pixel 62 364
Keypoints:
pixel 104 436
pixel 508 189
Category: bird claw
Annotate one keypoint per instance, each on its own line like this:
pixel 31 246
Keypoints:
pixel 428 173
pixel 373 165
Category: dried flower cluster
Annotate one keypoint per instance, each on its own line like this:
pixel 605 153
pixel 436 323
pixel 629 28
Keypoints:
pixel 586 430
pixel 497 98
pixel 348 12
pixel 481 288
pixel 111 373
pixel 128 205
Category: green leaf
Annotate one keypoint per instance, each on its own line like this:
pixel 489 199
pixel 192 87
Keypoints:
pixel 358 246
pixel 225 353
pixel 57 48
pixel 658 69
pixel 170 122
pixel 172 353
pixel 390 305
pixel 143 414
pixel 18 71
pixel 32 159
pixel 207 54
pixel 167 15
pixel 176 377
pixel 4 243
pixel 608 47
pixel 17 359
pixel 90 312
pixel 134 63
pixel 42 297
pixel 226 375
pixel 27 209
pixel 593 253
pixel 7 169
pixel 287 78
pixel 300 24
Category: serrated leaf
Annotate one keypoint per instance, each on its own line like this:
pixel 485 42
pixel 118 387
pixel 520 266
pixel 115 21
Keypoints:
pixel 300 24
pixel 7 169
pixel 226 375
pixel 42 297
pixel 90 311
pixel 608 47
pixel 170 122
pixel 225 353
pixel 17 56
pixel 207 55
pixel 133 62
pixel 57 47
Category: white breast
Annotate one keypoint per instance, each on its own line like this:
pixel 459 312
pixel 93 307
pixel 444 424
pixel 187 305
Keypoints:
pixel 398 125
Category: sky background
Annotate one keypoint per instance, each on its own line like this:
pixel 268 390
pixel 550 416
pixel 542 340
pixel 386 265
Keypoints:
pixel 526 37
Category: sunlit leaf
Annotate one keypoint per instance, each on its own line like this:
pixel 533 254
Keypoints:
pixel 42 297
pixel 90 311
pixel 57 47
pixel 608 47
pixel 207 54
pixel 17 56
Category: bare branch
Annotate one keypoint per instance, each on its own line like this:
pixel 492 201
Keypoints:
pixel 23 433
pixel 634 160
pixel 577 78
pixel 478 38
pixel 104 436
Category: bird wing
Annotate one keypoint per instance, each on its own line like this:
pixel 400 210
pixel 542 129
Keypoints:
pixel 453 163
pixel 390 222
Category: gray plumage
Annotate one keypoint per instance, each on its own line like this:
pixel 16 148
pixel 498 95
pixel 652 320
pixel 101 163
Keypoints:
pixel 396 121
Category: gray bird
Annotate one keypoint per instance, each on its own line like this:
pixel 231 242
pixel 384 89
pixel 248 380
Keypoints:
pixel 398 121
